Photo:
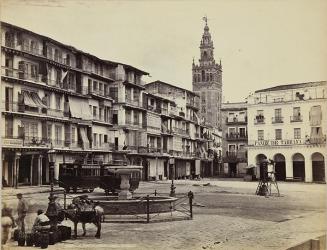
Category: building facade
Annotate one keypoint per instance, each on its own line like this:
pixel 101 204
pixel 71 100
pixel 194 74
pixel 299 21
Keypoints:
pixel 207 82
pixel 56 98
pixel 193 148
pixel 288 124
pixel 235 137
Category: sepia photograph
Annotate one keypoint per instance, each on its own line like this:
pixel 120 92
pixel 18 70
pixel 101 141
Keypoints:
pixel 165 124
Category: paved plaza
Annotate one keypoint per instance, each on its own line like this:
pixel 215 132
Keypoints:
pixel 227 215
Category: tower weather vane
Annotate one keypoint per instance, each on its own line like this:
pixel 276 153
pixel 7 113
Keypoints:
pixel 205 18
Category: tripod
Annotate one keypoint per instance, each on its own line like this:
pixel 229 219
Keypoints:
pixel 265 183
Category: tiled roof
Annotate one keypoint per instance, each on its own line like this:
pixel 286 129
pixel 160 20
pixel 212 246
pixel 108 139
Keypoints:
pixel 293 86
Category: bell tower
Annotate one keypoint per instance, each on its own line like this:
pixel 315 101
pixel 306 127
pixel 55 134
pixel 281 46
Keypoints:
pixel 207 81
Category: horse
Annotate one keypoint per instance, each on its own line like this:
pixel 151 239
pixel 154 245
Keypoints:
pixel 77 213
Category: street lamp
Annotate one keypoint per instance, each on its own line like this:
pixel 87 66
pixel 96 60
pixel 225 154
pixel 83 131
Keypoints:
pixel 172 187
pixel 52 211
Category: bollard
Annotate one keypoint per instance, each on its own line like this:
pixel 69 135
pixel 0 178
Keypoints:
pixel 190 197
pixel 147 209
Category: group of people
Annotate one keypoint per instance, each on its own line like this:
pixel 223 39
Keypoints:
pixel 42 222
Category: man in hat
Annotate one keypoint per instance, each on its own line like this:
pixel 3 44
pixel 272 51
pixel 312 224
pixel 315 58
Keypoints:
pixel 22 209
pixel 41 222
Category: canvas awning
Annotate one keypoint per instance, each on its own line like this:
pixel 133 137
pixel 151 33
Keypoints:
pixel 315 115
pixel 37 100
pixel 79 108
pixel 85 139
pixel 28 101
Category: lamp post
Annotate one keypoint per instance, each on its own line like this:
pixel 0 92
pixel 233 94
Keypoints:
pixel 172 187
pixel 52 211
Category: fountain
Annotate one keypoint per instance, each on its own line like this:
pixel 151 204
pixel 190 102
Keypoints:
pixel 126 204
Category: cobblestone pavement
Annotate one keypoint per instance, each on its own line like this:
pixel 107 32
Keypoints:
pixel 227 215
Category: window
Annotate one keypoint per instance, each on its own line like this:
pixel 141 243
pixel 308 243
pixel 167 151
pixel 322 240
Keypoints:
pixel 231 147
pixel 58 133
pixel 297 133
pixel 73 134
pixel 90 85
pixel 113 93
pixel 241 147
pixel 100 139
pixel 30 129
pixel 49 131
pixel 94 112
pixel 58 102
pixel 105 138
pixel 296 111
pixel 95 139
pixel 9 126
pixel 242 132
pixel 95 85
pixel 203 110
pixel 260 135
pixel 278 134
pixel 278 113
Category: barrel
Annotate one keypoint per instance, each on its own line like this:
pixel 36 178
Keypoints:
pixel 21 239
pixel 59 235
pixel 68 233
pixel 63 232
pixel 44 240
pixel 16 233
pixel 52 238
pixel 37 239
pixel 29 240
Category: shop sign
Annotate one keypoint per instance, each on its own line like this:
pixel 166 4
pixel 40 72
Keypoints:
pixel 11 142
pixel 278 142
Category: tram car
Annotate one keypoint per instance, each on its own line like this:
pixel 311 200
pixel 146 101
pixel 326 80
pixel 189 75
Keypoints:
pixel 87 177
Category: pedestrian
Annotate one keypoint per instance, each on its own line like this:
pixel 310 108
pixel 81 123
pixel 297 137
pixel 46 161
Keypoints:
pixel 41 223
pixel 22 209
pixel 7 222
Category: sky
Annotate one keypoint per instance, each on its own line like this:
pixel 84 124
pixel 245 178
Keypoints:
pixel 260 43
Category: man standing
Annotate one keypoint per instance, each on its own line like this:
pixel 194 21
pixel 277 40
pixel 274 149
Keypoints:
pixel 22 208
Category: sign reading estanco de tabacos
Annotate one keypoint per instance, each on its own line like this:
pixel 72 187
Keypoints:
pixel 278 142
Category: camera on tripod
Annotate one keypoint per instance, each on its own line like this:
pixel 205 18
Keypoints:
pixel 264 168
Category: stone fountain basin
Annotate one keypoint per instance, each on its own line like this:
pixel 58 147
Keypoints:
pixel 137 205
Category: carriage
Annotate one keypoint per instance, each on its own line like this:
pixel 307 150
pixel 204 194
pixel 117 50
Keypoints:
pixel 87 177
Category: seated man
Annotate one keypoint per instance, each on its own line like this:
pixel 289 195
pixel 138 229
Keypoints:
pixel 41 222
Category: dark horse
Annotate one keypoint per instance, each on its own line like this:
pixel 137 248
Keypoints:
pixel 76 214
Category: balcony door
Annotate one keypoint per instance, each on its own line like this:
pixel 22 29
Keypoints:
pixel 8 99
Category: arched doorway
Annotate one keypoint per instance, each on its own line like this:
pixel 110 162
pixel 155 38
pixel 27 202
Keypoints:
pixel 298 166
pixel 259 158
pixel 280 169
pixel 318 167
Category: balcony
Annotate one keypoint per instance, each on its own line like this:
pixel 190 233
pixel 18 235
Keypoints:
pixel 236 120
pixel 181 131
pixel 24 47
pixel 98 92
pixel 235 156
pixel 134 124
pixel 22 108
pixel 259 120
pixel 102 119
pixel 192 105
pixel 153 128
pixel 135 103
pixel 102 146
pixel 236 136
pixel 297 118
pixel 277 119
pixel 317 140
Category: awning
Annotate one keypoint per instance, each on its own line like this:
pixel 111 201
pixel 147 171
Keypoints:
pixel 28 101
pixel 35 97
pixel 197 118
pixel 85 139
pixel 315 115
pixel 79 108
